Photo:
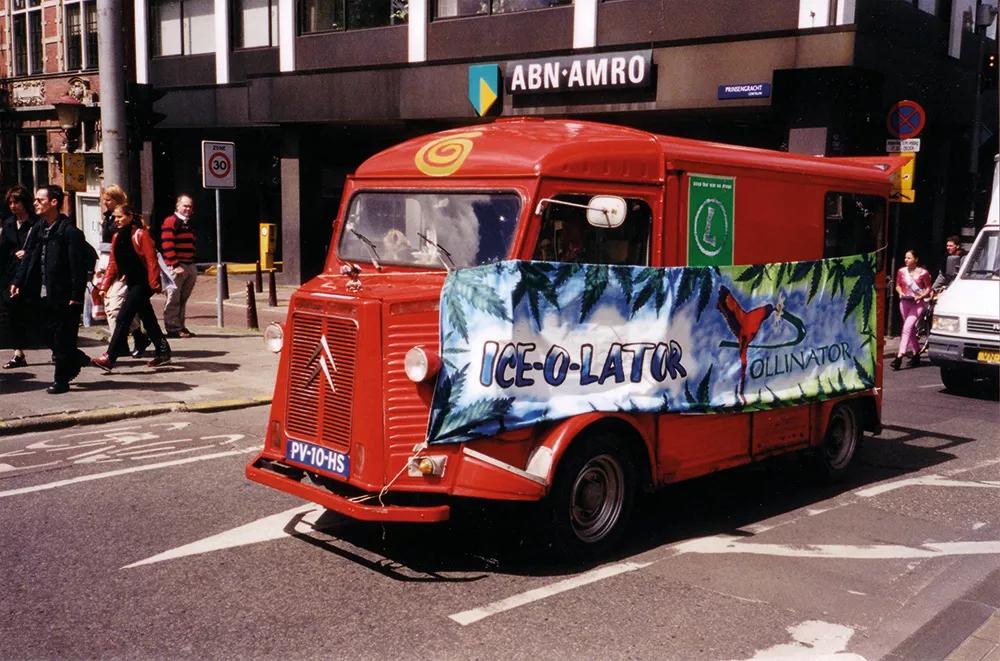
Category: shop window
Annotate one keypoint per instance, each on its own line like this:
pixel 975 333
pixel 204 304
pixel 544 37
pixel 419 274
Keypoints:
pixel 854 224
pixel 256 23
pixel 566 236
pixel 183 27
pixel 32 160
pixel 450 8
pixel 327 15
pixel 26 36
pixel 81 34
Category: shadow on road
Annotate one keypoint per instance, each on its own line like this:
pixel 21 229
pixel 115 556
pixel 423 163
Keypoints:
pixel 489 538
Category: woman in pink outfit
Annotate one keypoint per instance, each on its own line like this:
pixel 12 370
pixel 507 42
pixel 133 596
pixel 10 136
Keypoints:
pixel 913 284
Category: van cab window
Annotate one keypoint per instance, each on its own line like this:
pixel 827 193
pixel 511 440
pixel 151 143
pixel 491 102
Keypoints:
pixel 566 236
pixel 853 224
pixel 430 229
pixel 984 262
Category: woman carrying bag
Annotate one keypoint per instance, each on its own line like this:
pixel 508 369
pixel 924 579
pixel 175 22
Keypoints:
pixel 133 255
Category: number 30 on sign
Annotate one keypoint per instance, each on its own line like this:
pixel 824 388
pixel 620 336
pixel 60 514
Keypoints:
pixel 218 161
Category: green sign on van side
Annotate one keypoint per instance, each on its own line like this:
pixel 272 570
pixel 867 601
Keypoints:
pixel 711 220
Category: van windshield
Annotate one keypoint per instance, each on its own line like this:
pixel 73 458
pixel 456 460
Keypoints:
pixel 984 262
pixel 430 229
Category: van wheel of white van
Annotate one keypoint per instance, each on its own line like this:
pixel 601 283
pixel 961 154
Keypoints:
pixel 840 444
pixel 588 507
pixel 955 379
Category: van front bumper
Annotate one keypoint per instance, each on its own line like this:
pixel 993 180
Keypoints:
pixel 285 478
pixel 968 353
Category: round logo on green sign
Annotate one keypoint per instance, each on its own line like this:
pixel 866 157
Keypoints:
pixel 711 227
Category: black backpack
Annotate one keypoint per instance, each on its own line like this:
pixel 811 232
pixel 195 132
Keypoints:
pixel 89 258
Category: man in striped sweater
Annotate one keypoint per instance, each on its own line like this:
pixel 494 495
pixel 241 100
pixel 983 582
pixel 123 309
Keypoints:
pixel 177 244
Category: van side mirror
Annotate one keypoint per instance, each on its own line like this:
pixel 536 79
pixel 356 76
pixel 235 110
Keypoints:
pixel 606 211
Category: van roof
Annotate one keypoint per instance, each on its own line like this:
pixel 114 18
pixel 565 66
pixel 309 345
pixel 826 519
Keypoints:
pixel 530 147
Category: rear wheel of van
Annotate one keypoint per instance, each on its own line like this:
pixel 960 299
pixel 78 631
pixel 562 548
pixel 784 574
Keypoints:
pixel 587 510
pixel 840 443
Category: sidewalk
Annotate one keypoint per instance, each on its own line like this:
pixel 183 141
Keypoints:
pixel 218 369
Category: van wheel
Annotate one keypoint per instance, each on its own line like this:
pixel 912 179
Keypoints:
pixel 955 379
pixel 840 444
pixel 588 507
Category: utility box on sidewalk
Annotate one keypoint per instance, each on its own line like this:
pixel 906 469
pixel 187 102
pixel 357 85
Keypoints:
pixel 268 244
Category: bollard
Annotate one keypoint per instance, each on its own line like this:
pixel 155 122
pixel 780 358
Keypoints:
pixel 251 307
pixel 224 278
pixel 257 277
pixel 272 290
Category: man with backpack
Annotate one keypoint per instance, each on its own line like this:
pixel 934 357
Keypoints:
pixel 56 272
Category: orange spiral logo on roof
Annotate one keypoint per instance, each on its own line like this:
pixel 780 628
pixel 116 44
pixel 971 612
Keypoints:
pixel 444 156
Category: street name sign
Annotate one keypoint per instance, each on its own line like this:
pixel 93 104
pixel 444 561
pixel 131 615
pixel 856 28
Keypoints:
pixel 898 146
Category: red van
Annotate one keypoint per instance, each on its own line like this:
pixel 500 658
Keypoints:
pixel 361 347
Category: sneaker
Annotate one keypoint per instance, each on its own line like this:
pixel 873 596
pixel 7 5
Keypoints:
pixel 57 388
pixel 897 362
pixel 104 362
pixel 162 359
pixel 914 361
pixel 16 361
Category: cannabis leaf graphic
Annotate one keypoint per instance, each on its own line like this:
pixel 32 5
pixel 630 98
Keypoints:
pixel 535 282
pixel 863 292
pixel 595 281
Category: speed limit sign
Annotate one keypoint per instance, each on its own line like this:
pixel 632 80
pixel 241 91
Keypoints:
pixel 217 164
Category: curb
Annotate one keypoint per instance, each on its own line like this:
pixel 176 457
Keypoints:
pixel 97 416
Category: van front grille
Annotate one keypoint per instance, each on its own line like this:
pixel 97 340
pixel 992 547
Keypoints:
pixel 987 326
pixel 318 412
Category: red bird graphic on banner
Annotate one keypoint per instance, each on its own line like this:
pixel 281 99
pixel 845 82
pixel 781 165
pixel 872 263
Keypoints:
pixel 744 324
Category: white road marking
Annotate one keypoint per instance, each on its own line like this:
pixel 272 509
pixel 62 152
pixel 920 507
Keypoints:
pixel 727 544
pixel 122 471
pixel 470 616
pixel 262 530
pixel 925 481
pixel 978 524
pixel 814 639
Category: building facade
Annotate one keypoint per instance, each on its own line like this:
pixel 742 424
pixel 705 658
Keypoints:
pixel 307 89
pixel 50 127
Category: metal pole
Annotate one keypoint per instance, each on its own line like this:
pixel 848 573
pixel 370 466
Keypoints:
pixel 218 260
pixel 891 312
pixel 114 136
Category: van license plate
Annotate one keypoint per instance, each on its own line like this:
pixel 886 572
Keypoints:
pixel 992 357
pixel 320 458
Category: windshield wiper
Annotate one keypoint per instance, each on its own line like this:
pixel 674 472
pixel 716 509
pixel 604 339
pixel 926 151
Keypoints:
pixel 439 251
pixel 371 247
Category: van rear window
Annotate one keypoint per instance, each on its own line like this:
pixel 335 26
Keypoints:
pixel 854 224
pixel 430 229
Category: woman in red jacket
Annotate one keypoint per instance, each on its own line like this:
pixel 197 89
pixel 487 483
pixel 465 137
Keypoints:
pixel 133 255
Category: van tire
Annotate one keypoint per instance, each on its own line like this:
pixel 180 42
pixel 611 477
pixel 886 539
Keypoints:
pixel 588 508
pixel 955 379
pixel 835 454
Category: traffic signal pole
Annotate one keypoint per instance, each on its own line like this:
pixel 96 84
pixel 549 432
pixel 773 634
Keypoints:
pixel 114 133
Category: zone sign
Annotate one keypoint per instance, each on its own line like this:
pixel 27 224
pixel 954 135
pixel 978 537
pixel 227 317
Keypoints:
pixel 217 164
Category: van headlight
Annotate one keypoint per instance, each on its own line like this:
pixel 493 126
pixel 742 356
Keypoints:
pixel 274 337
pixel 944 324
pixel 421 364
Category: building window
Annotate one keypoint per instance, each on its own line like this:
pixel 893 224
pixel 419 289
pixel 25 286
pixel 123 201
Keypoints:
pixel 450 8
pixel 32 160
pixel 256 23
pixel 81 34
pixel 183 27
pixel 326 15
pixel 26 35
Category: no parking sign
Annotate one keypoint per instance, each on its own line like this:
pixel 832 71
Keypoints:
pixel 217 164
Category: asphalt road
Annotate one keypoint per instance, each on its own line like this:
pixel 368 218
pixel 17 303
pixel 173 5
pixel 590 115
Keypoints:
pixel 143 539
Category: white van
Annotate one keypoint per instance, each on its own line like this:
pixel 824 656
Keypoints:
pixel 965 332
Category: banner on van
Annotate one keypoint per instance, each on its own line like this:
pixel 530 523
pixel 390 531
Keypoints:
pixel 526 342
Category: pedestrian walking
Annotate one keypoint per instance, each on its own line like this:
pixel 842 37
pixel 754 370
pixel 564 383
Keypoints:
pixel 16 235
pixel 177 240
pixel 133 260
pixel 56 270
pixel 112 198
pixel 913 285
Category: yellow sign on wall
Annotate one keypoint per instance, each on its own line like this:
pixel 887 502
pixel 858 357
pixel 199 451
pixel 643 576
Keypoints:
pixel 902 184
pixel 74 167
